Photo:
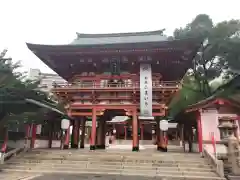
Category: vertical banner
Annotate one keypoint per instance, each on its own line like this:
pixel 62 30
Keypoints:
pixel 146 91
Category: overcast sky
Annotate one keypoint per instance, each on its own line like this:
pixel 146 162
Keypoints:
pixel 57 21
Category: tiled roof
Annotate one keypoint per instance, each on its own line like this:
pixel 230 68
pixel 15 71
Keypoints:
pixel 119 38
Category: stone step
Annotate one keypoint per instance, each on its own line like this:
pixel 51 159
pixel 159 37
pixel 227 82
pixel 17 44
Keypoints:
pixel 109 153
pixel 77 166
pixel 113 155
pixel 90 165
pixel 151 164
pixel 17 175
pixel 116 170
pixel 232 177
pixel 114 159
pixel 138 173
pixel 158 164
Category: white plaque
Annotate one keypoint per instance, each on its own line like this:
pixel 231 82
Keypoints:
pixel 146 90
pixel 65 123
pixel 163 125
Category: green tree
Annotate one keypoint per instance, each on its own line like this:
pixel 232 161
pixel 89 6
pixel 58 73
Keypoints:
pixel 15 88
pixel 219 56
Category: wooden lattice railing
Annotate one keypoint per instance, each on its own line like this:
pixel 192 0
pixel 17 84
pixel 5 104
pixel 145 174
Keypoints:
pixel 164 84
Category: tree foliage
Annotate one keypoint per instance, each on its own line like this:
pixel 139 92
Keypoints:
pixel 219 56
pixel 14 89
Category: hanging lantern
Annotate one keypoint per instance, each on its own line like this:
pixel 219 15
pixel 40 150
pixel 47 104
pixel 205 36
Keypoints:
pixel 163 125
pixel 65 123
pixel 39 129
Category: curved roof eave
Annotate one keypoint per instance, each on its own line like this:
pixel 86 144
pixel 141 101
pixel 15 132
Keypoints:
pixel 170 43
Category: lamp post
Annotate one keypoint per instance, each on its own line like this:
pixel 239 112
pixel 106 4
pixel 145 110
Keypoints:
pixel 65 123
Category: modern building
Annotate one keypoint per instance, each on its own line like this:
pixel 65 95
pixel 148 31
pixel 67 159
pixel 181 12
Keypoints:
pixel 112 75
pixel 47 80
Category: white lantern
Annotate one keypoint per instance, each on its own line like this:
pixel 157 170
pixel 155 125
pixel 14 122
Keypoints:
pixel 39 129
pixel 163 125
pixel 114 131
pixel 153 131
pixel 65 123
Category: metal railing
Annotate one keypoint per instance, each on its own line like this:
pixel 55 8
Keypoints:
pixel 93 85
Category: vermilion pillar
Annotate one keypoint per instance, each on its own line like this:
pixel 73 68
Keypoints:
pixel 72 136
pixel 34 130
pixel 99 134
pixel 103 135
pixel 158 136
pixel 50 136
pixel 75 134
pixel 162 141
pixel 67 138
pixel 142 126
pixel 83 123
pixel 4 145
pixel 125 132
pixel 27 134
pixel 78 132
pixel 93 132
pixel 135 131
pixel 199 127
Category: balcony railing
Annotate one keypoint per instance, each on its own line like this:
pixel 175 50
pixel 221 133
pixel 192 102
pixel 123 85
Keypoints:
pixel 164 84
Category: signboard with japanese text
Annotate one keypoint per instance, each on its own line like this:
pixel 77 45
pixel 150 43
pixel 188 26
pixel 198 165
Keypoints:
pixel 146 90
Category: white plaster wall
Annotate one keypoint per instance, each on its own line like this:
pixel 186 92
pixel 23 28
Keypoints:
pixel 44 143
pixel 16 144
pixel 38 143
pixel 209 119
pixel 220 148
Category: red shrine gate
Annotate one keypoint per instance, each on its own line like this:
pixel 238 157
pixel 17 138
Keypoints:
pixel 103 71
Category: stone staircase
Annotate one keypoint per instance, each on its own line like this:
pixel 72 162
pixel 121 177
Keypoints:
pixel 17 175
pixel 150 164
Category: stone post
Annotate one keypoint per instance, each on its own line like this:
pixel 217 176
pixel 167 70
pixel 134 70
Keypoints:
pixel 234 155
